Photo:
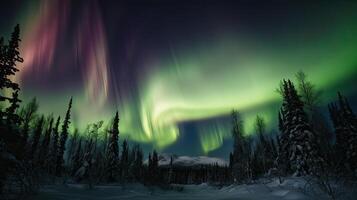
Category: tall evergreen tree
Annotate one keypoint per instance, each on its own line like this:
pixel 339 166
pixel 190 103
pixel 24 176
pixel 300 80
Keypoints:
pixel 63 140
pixel 285 119
pixel 9 142
pixel 10 55
pixel 345 124
pixel 299 143
pixel 113 149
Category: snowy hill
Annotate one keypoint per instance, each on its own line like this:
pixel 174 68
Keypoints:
pixel 188 161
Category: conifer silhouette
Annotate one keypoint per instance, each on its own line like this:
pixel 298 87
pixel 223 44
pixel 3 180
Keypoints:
pixel 63 139
pixel 113 150
pixel 300 152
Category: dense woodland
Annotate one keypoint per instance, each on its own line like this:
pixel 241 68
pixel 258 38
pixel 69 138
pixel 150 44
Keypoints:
pixel 35 148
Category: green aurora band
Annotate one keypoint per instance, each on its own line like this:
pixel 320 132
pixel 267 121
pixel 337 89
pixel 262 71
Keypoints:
pixel 208 79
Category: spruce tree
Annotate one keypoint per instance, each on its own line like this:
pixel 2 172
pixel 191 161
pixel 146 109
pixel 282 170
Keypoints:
pixel 63 140
pixel 345 124
pixel 113 149
pixel 9 142
pixel 10 55
pixel 285 118
pixel 299 143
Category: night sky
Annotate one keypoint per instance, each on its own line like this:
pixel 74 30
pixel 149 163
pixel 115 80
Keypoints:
pixel 175 69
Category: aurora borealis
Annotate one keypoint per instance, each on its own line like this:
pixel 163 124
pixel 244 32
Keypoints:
pixel 175 69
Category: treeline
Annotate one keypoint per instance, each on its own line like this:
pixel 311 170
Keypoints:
pixel 304 146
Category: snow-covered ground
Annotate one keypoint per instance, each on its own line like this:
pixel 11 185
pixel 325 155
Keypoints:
pixel 291 189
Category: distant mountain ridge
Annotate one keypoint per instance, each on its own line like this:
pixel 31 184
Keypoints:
pixel 189 161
